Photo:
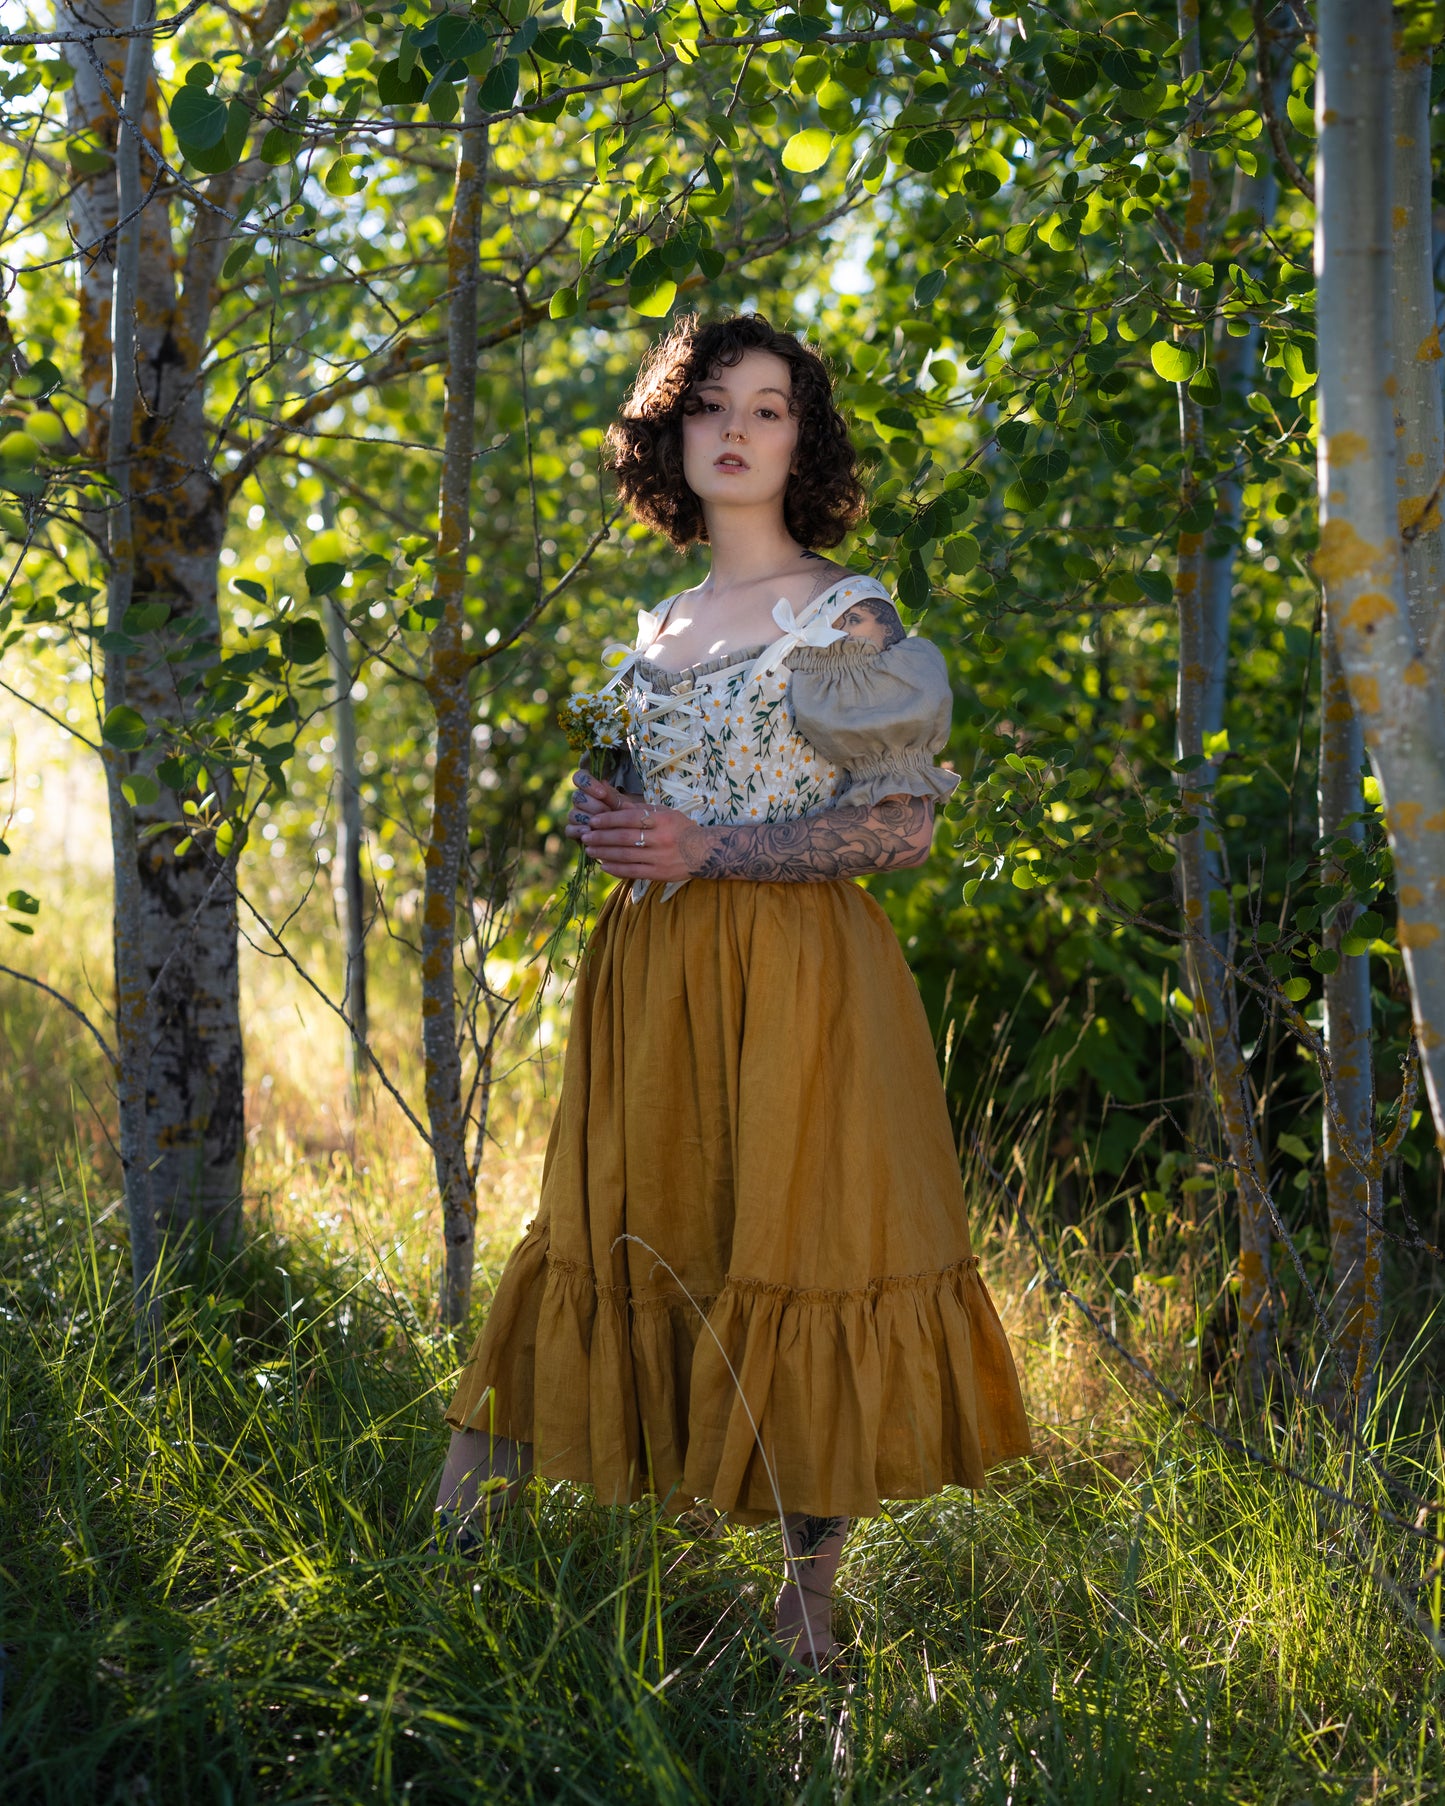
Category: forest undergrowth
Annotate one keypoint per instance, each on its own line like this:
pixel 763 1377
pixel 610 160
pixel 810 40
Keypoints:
pixel 221 1592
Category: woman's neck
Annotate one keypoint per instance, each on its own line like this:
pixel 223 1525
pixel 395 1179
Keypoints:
pixel 746 549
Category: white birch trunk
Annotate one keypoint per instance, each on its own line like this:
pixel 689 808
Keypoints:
pixel 1202 654
pixel 1419 426
pixel 1401 712
pixel 449 691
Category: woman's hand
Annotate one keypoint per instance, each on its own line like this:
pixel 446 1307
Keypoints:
pixel 609 825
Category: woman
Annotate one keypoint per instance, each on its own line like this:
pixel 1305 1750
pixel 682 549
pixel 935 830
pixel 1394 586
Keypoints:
pixel 750 1278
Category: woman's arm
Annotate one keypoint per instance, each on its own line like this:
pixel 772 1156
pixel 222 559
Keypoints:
pixel 834 843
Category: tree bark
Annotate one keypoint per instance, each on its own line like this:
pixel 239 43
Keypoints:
pixel 1419 426
pixel 1202 655
pixel 1401 711
pixel 1354 1241
pixel 346 877
pixel 449 690
pixel 132 1002
pixel 185 925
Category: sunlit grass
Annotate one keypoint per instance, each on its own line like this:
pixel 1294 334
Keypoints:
pixel 221 1592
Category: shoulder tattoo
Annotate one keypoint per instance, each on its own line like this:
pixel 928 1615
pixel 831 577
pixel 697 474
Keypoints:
pixel 874 619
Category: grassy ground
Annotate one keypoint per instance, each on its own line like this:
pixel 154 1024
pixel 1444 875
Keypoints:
pixel 220 1592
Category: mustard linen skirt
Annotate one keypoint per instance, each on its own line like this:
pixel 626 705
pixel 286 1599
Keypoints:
pixel 750 1278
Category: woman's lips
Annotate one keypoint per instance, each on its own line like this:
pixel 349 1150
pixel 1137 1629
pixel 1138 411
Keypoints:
pixel 729 461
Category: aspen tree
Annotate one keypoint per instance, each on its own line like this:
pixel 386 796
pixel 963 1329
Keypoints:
pixel 448 690
pixel 1202 656
pixel 180 912
pixel 1419 427
pixel 1401 712
pixel 132 1012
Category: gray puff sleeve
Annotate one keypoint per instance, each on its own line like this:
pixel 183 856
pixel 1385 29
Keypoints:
pixel 883 716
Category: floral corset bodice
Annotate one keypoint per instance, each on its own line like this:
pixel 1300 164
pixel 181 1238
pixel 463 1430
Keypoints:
pixel 811 721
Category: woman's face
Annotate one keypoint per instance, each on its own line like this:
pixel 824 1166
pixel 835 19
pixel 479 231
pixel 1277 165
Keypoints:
pixel 737 449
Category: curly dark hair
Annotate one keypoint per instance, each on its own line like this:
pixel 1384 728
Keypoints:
pixel 823 498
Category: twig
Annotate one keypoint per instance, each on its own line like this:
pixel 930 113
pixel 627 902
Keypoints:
pixel 75 1009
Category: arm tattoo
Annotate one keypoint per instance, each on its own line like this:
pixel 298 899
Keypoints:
pixel 873 619
pixel 834 843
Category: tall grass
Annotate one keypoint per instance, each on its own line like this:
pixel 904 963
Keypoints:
pixel 221 1592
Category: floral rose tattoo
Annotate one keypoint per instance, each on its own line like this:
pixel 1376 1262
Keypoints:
pixel 835 843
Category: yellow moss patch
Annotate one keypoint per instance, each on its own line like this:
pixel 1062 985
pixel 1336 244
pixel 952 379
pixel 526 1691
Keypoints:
pixel 1365 695
pixel 1429 352
pixel 1400 217
pixel 1344 448
pixel 1415 672
pixel 1343 553
pixel 1405 819
pixel 1418 934
pixel 1412 508
pixel 1368 610
pixel 1436 823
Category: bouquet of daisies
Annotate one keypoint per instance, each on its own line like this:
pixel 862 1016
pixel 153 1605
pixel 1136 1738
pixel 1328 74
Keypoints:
pixel 595 723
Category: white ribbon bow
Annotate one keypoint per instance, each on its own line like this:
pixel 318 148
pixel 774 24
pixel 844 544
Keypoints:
pixel 620 657
pixel 811 630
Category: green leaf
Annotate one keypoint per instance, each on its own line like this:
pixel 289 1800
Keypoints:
pixel 928 150
pixel 1301 114
pixel 344 176
pixel 961 554
pixel 249 587
pixel 124 728
pixel 1118 441
pixel 22 901
pixel 652 300
pixel 1013 436
pixel 499 90
pixel 1295 1148
pixel 1158 586
pixel 303 641
pixel 458 37
pixel 138 789
pixel 198 119
pixel 563 303
pixel 1025 496
pixel 442 102
pixel 229 151
pixel 393 89
pixel 321 579
pixel 146 617
pixel 928 288
pixel 39 380
pixel 1205 387
pixel 801 28
pixel 1175 363
pixel 1296 989
pixel 807 150
pixel 914 588
pixel 1071 73
pixel 279 146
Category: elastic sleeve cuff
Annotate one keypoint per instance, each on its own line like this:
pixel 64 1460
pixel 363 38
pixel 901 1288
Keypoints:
pixel 901 775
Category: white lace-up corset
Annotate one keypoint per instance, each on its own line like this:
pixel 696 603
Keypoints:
pixel 719 740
